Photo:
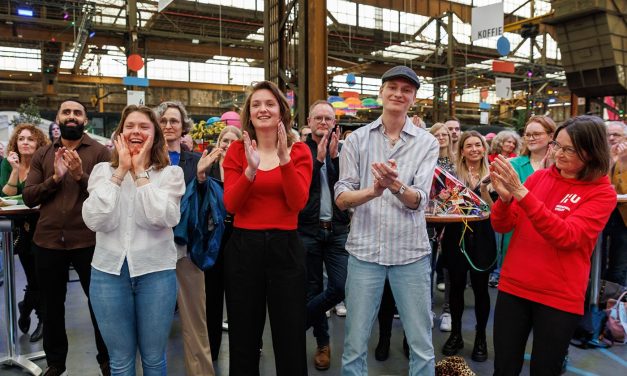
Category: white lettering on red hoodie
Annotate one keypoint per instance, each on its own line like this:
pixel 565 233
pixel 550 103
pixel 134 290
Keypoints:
pixel 556 226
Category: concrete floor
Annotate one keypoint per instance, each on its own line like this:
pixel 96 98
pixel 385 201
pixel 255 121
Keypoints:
pixel 82 354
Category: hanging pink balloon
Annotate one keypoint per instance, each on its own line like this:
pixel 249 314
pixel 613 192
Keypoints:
pixel 135 62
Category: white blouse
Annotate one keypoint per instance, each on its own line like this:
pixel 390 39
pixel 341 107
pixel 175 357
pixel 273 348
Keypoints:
pixel 134 223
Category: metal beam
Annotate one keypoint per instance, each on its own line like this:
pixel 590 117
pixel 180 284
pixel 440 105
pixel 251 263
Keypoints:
pixel 18 76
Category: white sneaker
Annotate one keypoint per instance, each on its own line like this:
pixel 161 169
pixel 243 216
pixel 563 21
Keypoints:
pixel 441 286
pixel 340 309
pixel 445 322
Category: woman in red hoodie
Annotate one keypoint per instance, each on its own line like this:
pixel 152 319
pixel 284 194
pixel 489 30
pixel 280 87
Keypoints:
pixel 558 214
pixel 266 184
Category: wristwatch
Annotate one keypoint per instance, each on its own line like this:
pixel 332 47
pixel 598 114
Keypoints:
pixel 142 175
pixel 400 191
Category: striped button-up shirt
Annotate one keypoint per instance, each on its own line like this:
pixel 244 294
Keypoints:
pixel 384 230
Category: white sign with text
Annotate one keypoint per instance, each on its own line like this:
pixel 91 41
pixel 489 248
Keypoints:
pixel 487 21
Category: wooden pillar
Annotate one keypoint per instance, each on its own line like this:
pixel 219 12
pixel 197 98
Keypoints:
pixel 317 47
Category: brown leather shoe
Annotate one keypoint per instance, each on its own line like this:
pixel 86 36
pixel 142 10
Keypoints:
pixel 322 359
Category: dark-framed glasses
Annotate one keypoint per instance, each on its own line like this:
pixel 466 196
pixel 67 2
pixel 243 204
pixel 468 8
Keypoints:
pixel 568 150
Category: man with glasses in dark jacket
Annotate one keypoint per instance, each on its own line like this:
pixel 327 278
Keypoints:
pixel 323 228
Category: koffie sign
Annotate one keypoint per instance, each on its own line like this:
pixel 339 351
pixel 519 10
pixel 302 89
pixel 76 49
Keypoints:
pixel 487 21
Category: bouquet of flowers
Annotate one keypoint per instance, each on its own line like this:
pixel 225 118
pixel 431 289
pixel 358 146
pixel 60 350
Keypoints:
pixel 450 197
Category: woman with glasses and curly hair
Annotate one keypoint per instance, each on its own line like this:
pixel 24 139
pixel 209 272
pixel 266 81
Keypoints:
pixel 14 169
pixel 558 214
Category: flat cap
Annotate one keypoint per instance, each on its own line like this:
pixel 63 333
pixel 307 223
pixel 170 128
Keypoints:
pixel 401 71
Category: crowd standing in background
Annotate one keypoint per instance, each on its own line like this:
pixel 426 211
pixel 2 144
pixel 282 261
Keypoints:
pixel 314 218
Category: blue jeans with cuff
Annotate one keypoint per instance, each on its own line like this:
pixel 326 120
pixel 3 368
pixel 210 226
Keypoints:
pixel 410 285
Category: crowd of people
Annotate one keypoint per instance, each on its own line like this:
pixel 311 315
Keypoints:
pixel 350 207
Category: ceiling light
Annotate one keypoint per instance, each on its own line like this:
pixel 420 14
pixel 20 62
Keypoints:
pixel 26 12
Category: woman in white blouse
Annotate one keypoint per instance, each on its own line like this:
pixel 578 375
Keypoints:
pixel 132 206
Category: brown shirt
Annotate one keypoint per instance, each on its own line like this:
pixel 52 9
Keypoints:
pixel 60 223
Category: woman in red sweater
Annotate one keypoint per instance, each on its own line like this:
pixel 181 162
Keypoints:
pixel 558 214
pixel 266 184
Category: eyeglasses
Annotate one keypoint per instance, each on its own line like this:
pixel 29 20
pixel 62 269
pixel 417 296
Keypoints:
pixel 320 119
pixel 163 122
pixel 614 135
pixel 568 150
pixel 534 136
pixel 441 135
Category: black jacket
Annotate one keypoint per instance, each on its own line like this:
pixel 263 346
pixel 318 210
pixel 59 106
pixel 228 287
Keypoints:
pixel 188 162
pixel 309 217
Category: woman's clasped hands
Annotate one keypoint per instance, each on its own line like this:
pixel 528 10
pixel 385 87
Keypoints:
pixel 505 180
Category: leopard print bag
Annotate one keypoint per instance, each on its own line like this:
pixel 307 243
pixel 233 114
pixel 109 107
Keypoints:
pixel 453 366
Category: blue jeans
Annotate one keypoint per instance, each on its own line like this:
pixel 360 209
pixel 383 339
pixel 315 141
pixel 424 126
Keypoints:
pixel 325 247
pixel 134 312
pixel 410 287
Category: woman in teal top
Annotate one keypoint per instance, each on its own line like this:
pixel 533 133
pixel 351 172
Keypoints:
pixel 25 140
pixel 538 134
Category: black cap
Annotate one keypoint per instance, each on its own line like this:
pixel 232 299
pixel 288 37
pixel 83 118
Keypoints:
pixel 401 71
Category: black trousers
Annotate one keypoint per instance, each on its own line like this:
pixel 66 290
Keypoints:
pixel 23 247
pixel 214 291
pixel 266 267
pixel 387 309
pixel 514 319
pixel 52 270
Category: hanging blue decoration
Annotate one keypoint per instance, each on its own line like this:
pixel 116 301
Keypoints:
pixel 351 79
pixel 502 46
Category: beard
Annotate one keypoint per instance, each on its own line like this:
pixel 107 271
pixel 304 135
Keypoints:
pixel 72 133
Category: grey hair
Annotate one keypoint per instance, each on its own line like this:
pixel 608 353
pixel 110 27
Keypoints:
pixel 501 137
pixel 185 119
pixel 619 123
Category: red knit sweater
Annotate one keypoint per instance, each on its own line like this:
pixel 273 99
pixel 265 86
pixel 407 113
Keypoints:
pixel 555 228
pixel 274 198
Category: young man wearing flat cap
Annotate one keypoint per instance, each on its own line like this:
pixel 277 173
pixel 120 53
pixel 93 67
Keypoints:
pixel 386 170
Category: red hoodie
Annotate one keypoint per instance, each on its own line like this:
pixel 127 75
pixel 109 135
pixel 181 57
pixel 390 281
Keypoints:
pixel 556 227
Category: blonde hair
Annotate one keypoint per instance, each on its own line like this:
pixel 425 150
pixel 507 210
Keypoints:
pixel 449 149
pixel 462 169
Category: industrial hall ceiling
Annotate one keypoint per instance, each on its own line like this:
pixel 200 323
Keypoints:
pixel 70 39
